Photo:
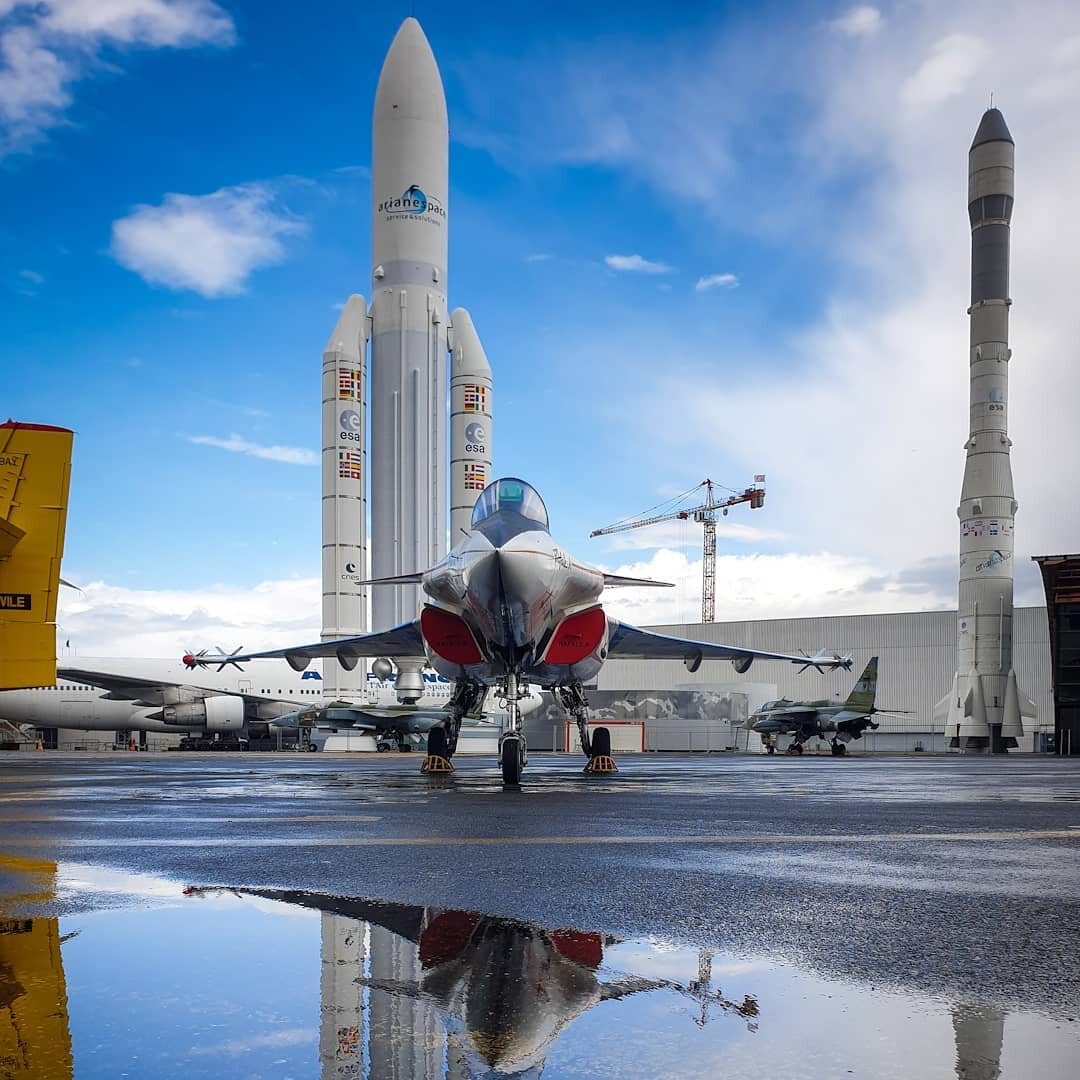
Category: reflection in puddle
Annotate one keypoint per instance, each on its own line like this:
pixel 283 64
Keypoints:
pixel 157 980
pixel 491 994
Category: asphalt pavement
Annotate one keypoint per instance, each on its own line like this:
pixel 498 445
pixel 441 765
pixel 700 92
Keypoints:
pixel 957 875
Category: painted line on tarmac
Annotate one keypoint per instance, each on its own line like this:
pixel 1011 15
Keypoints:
pixel 110 819
pixel 547 841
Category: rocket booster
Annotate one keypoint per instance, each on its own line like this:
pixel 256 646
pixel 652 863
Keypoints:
pixel 344 496
pixel 983 710
pixel 470 422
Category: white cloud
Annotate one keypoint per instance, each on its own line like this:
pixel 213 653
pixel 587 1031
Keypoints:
pixel 48 45
pixel 140 22
pixel 236 1047
pixel 946 72
pixel 789 585
pixel 635 264
pixel 32 276
pixel 540 256
pixel 291 455
pixel 210 244
pixel 716 281
pixel 687 534
pixel 860 21
pixel 111 620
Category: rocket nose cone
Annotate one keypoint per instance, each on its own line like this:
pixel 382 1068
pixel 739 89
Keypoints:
pixel 410 83
pixel 992 128
pixel 469 357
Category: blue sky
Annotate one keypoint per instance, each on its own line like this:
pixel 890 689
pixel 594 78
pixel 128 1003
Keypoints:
pixel 791 178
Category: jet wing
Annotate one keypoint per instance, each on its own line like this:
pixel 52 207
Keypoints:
pixel 146 691
pixel 620 580
pixel 400 642
pixel 626 642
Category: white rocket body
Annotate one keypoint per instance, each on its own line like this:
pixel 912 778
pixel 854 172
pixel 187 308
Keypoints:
pixel 410 149
pixel 344 501
pixel 983 710
pixel 409 328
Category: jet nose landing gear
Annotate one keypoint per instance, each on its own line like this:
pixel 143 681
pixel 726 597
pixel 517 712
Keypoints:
pixel 512 758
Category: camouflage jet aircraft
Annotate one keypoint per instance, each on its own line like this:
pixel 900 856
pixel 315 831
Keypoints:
pixel 807 719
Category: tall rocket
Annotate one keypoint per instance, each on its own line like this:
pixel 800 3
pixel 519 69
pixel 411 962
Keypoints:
pixel 411 331
pixel 983 709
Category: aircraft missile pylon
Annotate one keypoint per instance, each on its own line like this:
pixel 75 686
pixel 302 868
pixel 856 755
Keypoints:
pixel 983 709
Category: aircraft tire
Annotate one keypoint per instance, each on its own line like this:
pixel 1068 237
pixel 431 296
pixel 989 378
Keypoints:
pixel 510 752
pixel 839 749
pixel 770 749
pixel 436 742
pixel 601 742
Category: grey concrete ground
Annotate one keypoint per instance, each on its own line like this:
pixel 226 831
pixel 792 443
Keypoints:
pixel 952 875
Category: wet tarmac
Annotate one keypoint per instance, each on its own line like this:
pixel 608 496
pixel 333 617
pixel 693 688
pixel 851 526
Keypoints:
pixel 313 915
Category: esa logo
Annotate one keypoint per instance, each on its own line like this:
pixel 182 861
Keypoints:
pixel 350 425
pixel 474 438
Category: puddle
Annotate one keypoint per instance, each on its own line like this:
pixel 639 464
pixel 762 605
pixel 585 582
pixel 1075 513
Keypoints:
pixel 104 973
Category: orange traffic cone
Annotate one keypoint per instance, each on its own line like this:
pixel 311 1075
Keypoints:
pixel 39 745
pixel 131 745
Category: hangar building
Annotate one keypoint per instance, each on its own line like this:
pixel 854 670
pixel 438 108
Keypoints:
pixel 917 653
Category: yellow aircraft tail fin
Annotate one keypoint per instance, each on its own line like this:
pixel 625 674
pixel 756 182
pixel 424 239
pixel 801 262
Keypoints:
pixel 35 473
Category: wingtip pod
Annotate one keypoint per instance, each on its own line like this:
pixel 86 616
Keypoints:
pixel 201 659
pixel 822 661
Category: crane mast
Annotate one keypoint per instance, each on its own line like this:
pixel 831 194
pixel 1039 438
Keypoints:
pixel 705 514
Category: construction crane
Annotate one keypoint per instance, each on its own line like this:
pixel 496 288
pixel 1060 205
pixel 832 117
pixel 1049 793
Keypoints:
pixel 706 515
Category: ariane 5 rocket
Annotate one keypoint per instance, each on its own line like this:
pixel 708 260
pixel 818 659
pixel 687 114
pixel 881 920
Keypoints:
pixel 983 711
pixel 415 438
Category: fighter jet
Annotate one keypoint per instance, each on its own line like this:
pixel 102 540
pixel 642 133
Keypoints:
pixel 509 607
pixel 806 719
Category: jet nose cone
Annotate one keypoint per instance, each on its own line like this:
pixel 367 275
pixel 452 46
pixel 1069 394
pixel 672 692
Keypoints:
pixel 410 84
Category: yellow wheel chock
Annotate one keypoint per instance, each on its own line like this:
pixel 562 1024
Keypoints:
pixel 601 763
pixel 435 763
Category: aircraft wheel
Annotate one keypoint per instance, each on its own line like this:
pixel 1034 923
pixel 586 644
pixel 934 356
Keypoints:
pixel 770 749
pixel 601 742
pixel 511 760
pixel 795 748
pixel 436 743
pixel 839 749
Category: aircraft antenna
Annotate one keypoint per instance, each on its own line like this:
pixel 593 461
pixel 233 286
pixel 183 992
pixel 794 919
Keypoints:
pixel 704 514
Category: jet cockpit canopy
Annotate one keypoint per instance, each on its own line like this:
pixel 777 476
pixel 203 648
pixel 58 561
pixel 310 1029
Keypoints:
pixel 513 495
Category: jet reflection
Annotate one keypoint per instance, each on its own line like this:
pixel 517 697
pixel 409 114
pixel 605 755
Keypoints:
pixel 502 991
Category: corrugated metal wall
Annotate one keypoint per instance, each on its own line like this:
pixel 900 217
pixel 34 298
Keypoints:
pixel 917 651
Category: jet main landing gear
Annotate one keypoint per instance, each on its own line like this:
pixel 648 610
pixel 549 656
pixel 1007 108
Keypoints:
pixel 442 740
pixel 838 748
pixel 597 748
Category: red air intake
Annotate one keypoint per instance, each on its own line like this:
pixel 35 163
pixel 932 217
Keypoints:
pixel 576 637
pixel 449 636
